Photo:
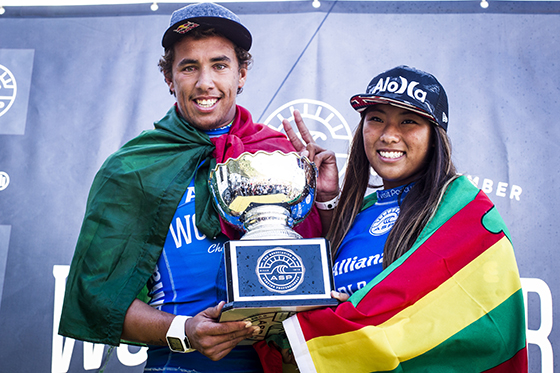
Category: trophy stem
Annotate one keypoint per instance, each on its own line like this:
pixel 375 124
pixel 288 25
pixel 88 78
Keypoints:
pixel 268 222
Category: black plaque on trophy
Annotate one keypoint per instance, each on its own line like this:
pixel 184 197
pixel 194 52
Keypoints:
pixel 272 272
pixel 269 280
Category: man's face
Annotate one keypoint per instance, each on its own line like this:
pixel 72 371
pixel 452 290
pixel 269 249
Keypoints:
pixel 205 79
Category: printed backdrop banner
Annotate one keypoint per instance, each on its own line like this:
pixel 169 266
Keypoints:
pixel 78 82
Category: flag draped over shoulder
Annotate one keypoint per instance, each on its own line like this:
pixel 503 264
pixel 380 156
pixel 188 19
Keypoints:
pixel 130 206
pixel 452 303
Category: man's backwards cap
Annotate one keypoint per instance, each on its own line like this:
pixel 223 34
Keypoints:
pixel 207 15
pixel 407 88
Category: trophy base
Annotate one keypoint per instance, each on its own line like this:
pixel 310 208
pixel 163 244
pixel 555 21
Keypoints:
pixel 268 281
pixel 267 316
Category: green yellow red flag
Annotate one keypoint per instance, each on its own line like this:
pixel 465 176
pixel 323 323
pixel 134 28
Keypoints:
pixel 453 303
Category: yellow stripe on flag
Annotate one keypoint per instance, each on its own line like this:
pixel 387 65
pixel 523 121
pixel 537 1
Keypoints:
pixel 472 292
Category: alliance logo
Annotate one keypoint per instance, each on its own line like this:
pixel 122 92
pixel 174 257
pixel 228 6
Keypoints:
pixel 280 270
pixel 384 221
pixel 394 87
pixel 327 126
pixel 8 89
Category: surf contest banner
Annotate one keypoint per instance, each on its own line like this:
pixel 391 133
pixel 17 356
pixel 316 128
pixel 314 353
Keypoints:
pixel 77 82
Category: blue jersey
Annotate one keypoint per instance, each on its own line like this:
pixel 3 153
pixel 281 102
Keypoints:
pixel 360 255
pixel 186 282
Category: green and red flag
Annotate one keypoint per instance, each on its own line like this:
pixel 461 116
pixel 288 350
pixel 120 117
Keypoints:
pixel 453 303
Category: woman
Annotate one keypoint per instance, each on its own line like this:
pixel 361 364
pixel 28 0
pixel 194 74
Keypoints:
pixel 427 259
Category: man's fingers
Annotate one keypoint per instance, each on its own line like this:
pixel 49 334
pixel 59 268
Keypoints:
pixel 211 327
pixel 218 350
pixel 214 312
pixel 217 346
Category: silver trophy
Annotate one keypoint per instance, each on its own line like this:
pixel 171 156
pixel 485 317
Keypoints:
pixel 265 194
pixel 272 272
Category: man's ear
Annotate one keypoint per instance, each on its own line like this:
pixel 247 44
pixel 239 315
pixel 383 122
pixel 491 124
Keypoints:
pixel 242 77
pixel 171 86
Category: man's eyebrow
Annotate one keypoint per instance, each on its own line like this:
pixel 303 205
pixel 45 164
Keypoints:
pixel 186 61
pixel 189 61
pixel 221 58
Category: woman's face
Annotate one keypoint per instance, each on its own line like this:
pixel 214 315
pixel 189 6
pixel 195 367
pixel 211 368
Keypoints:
pixel 397 143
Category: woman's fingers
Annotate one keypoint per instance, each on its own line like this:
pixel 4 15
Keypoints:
pixel 302 128
pixel 300 144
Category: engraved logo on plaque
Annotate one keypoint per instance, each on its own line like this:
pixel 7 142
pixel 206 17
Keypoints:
pixel 280 270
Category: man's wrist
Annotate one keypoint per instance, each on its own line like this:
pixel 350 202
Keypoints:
pixel 176 336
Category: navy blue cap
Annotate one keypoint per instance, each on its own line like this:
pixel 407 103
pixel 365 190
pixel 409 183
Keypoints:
pixel 407 88
pixel 207 15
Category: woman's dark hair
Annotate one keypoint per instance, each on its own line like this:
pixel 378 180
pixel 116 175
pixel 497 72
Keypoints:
pixel 244 58
pixel 416 208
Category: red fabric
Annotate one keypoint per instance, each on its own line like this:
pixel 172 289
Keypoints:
pixel 270 358
pixel 517 364
pixel 246 136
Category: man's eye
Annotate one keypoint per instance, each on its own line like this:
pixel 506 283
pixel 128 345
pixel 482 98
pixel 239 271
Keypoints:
pixel 220 66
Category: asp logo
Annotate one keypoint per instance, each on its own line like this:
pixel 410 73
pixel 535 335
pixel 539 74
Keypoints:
pixel 8 89
pixel 384 221
pixel 327 126
pixel 280 270
pixel 393 86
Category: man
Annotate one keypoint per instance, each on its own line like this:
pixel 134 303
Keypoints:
pixel 150 218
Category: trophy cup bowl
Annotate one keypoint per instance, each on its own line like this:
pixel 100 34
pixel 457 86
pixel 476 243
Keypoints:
pixel 265 194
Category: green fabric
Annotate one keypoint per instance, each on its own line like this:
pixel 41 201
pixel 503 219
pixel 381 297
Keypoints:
pixel 130 206
pixel 369 201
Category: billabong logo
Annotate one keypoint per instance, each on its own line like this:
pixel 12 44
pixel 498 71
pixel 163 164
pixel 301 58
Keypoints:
pixel 280 270
pixel 8 89
pixel 186 27
pixel 384 221
pixel 393 86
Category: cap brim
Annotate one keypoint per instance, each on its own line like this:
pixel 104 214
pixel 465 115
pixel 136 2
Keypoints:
pixel 362 102
pixel 232 30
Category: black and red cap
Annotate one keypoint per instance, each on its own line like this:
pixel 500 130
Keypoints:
pixel 408 88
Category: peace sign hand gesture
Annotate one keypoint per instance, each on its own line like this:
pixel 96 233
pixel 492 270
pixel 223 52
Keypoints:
pixel 325 160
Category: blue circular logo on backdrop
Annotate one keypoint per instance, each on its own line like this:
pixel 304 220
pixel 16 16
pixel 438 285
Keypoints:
pixel 280 270
pixel 384 222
